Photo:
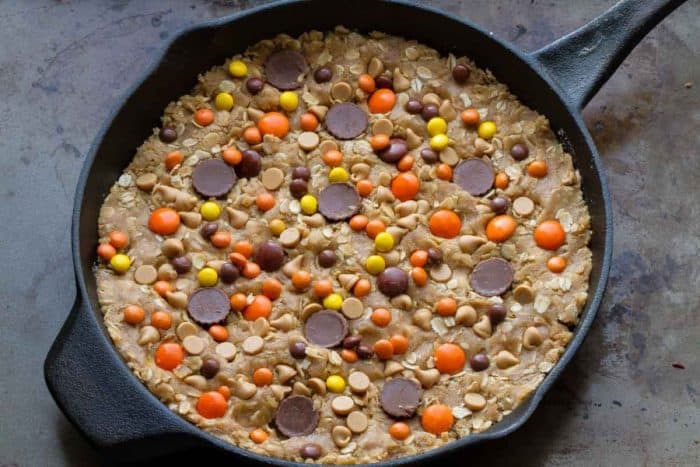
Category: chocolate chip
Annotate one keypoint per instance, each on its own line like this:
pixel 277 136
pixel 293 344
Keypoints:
pixel 229 273
pixel 208 229
pixel 491 277
pixel 434 256
pixel 429 156
pixel 499 205
pixel 254 85
pixel 269 256
pixel 298 187
pixel 285 69
pixel 327 258
pixel 351 342
pixel 297 349
pixel 346 120
pixel 479 362
pixel 474 176
pixel 326 328
pixel 323 74
pixel 250 164
pixel 301 172
pixel 364 351
pixel 383 82
pixel 310 451
pixel 181 264
pixel 210 368
pixel 430 111
pixel 497 313
pixel 339 201
pixel 519 151
pixel 392 282
pixel 414 106
pixel 395 151
pixel 400 397
pixel 213 178
pixel 461 73
pixel 167 135
pixel 208 306
pixel 296 416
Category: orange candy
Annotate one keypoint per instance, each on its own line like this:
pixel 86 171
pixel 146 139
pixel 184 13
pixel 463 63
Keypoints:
pixel 364 187
pixel 172 159
pixel 323 288
pixel 446 306
pixel 366 83
pixel 349 355
pixel 379 142
pixel 238 259
pixel 301 279
pixel 220 239
pixel 262 377
pixel 252 136
pixel 399 430
pixel 332 158
pixel 212 404
pixel 244 248
pixel 381 317
pixel 308 121
pixel 420 276
pixel 405 186
pixel 265 201
pixel 445 223
pixel 169 355
pixel 271 288
pixel 259 436
pixel 444 172
pixel 224 391
pixel 449 358
pixel 251 270
pixel 501 180
pixel 105 251
pixel 260 307
pixel 419 258
pixel 204 117
pixel 358 222
pixel 374 228
pixel 550 235
pixel 232 156
pixel 406 163
pixel 218 333
pixel 164 221
pixel 274 123
pixel 238 301
pixel 399 343
pixel 161 320
pixel 556 264
pixel 383 349
pixel 134 314
pixel 381 101
pixel 162 288
pixel 500 228
pixel 537 169
pixel 470 116
pixel 118 239
pixel 362 288
pixel 437 419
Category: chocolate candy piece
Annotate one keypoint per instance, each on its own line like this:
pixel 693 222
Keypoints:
pixel 181 264
pixel 285 69
pixel 461 73
pixel 250 164
pixel 434 256
pixel 479 362
pixel 351 342
pixel 395 151
pixel 208 306
pixel 414 106
pixel 210 368
pixel 392 282
pixel 339 201
pixel 519 151
pixel 400 397
pixel 326 328
pixel 346 120
pixel 298 187
pixel 269 256
pixel 208 229
pixel 383 82
pixel 310 451
pixel 327 258
pixel 491 277
pixel 364 351
pixel 499 205
pixel 323 74
pixel 296 416
pixel 474 176
pixel 428 155
pixel 229 273
pixel 429 111
pixel 213 178
pixel 497 313
pixel 167 135
pixel 301 172
pixel 254 85
pixel 298 349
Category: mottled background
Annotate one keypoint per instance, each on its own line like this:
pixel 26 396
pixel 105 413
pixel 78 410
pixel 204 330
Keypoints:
pixel 620 402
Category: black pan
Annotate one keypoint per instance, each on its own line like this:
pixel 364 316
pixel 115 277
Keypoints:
pixel 85 374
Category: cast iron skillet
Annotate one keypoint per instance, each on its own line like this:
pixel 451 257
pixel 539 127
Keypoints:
pixel 85 374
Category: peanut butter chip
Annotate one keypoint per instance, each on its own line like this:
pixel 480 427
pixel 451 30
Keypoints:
pixel 290 237
pixel 341 435
pixel 185 329
pixel 352 308
pixel 441 273
pixel 342 405
pixel 253 345
pixel 357 422
pixel 272 178
pixel 523 206
pixel 226 350
pixel 146 274
pixel 327 145
pixel 383 126
pixel 194 345
pixel 359 382
pixel 474 401
pixel 146 182
pixel 341 91
pixel 308 140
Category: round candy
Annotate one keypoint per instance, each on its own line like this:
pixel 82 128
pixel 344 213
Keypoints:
pixel 392 282
pixel 296 416
pixel 491 277
pixel 400 397
pixel 395 151
pixel 346 120
pixel 326 328
pixel 474 176
pixel 310 451
pixel 254 85
pixel 461 73
pixel 285 69
pixel 327 258
pixel 339 201
pixel 250 164
pixel 269 256
pixel 519 151
pixel 213 178
pixel 208 306
pixel 167 135
pixel 323 74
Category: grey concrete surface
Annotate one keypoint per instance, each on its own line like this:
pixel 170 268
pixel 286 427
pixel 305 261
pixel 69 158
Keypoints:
pixel 64 64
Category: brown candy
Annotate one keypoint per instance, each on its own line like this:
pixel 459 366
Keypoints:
pixel 346 120
pixel 269 256
pixel 213 178
pixel 296 416
pixel 250 164
pixel 400 397
pixel 395 151
pixel 474 176
pixel 285 69
pixel 326 328
pixel 339 201
pixel 392 282
pixel 491 277
pixel 208 306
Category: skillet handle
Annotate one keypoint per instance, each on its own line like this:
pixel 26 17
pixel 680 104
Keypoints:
pixel 583 60
pixel 115 412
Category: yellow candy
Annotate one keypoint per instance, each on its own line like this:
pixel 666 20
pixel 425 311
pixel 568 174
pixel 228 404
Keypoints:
pixel 375 264
pixel 210 211
pixel 439 142
pixel 384 241
pixel 237 69
pixel 335 383
pixel 437 126
pixel 223 101
pixel 277 226
pixel 289 101
pixel 207 277
pixel 487 129
pixel 338 174
pixel 120 263
pixel 333 302
pixel 308 204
